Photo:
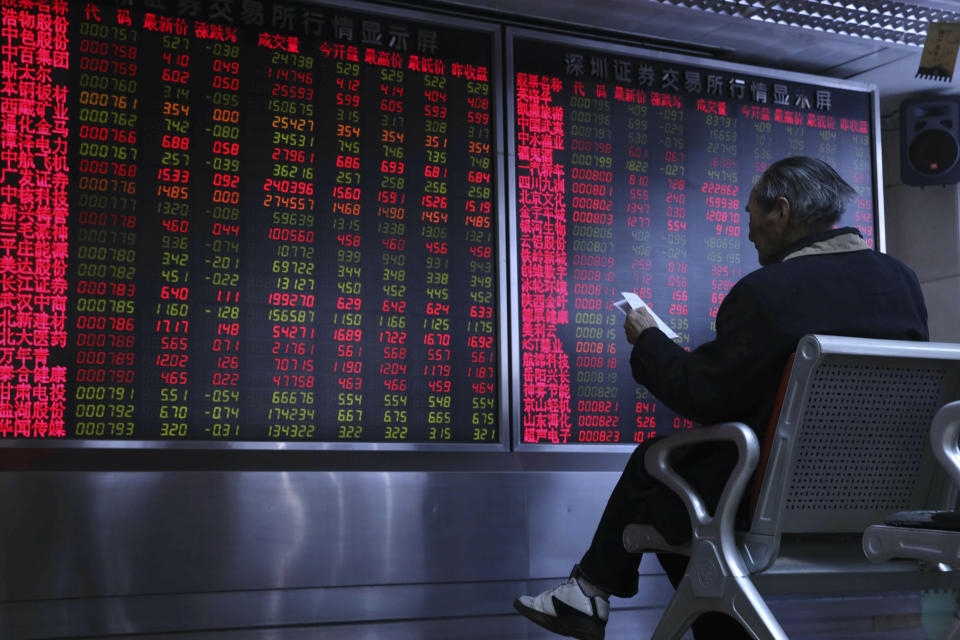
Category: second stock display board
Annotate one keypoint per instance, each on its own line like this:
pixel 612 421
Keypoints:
pixel 632 173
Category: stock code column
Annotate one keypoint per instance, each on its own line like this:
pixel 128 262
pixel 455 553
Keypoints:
pixel 103 228
pixel 632 175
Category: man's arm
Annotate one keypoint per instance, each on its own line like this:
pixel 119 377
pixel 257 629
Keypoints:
pixel 636 322
pixel 723 379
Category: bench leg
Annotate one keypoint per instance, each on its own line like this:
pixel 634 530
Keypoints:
pixel 679 614
pixel 741 601
pixel 749 607
pixel 954 632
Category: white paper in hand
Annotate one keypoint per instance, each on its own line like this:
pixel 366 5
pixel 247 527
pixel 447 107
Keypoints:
pixel 633 301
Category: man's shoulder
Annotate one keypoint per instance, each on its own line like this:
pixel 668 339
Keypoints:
pixel 824 268
pixel 861 259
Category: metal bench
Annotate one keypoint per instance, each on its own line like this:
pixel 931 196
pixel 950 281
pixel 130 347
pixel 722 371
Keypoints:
pixel 849 448
pixel 931 537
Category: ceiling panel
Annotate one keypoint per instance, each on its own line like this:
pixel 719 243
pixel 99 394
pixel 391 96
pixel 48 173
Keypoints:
pixel 735 30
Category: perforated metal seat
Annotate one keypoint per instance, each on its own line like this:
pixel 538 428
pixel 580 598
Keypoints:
pixel 848 449
pixel 859 448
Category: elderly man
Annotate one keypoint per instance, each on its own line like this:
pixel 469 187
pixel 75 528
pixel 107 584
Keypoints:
pixel 814 279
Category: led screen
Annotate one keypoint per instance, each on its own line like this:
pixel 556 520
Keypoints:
pixel 247 221
pixel 632 173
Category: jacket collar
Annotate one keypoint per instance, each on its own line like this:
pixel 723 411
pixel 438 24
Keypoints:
pixel 842 240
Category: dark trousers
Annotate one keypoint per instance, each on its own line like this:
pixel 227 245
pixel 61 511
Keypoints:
pixel 639 498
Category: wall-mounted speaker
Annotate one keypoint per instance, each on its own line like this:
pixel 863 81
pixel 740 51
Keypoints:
pixel 930 141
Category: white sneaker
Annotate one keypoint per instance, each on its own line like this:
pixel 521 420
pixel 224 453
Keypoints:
pixel 567 610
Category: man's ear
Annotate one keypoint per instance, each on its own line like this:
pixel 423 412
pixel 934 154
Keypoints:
pixel 781 213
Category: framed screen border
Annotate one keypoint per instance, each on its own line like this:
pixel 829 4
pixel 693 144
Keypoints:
pixel 638 51
pixel 494 31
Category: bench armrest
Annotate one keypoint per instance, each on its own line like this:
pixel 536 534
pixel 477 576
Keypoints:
pixel 716 578
pixel 944 435
pixel 921 541
pixel 719 525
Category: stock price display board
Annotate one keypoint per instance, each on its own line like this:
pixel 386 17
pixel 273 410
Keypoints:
pixel 632 173
pixel 257 221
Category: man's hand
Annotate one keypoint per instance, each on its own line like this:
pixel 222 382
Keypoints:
pixel 636 322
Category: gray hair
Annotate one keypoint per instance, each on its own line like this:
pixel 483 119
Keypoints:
pixel 816 192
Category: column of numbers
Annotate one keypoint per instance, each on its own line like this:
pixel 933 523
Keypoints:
pixel 859 148
pixel 172 192
pixel 724 205
pixel 105 240
pixel 222 263
pixel 638 222
pixel 347 317
pixel 762 153
pixel 392 236
pixel 675 212
pixel 481 334
pixel 434 229
pixel 827 144
pixel 591 232
pixel 288 196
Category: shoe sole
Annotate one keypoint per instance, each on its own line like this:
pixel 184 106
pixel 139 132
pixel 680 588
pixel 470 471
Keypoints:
pixel 584 629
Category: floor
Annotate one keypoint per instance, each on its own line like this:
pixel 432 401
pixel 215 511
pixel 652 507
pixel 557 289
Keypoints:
pixel 888 617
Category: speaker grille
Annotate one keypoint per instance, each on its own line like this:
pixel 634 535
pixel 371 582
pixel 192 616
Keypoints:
pixel 930 140
pixel 933 152
pixel 846 453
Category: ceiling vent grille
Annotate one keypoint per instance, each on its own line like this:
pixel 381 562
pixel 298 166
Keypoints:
pixel 886 20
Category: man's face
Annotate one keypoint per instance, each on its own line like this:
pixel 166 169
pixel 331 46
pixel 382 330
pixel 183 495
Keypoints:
pixel 766 231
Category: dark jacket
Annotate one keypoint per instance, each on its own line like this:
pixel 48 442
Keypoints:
pixel 814 288
pixel 860 293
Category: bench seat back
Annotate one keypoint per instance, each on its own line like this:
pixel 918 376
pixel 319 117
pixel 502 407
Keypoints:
pixel 851 443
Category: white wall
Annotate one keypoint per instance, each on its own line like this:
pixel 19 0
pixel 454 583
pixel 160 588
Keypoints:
pixel 923 230
pixel 922 224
